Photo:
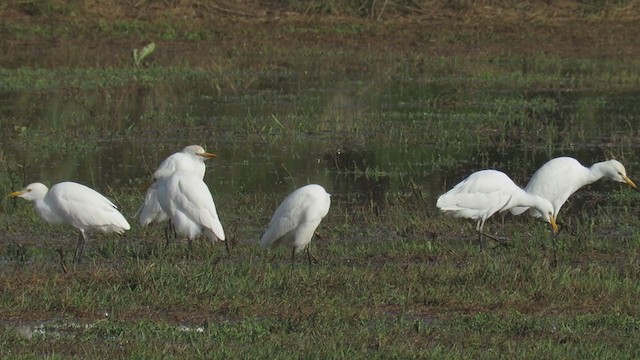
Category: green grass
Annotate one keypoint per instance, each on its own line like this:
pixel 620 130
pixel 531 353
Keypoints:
pixel 385 285
pixel 387 130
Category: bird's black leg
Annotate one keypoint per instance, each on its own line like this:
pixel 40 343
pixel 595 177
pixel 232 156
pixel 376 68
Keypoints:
pixel 293 255
pixel 166 235
pixel 479 230
pixel 63 263
pixel 168 231
pixel 80 248
pixel 310 255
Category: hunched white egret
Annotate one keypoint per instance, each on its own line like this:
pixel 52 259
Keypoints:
pixel 190 159
pixel 187 201
pixel 296 219
pixel 77 205
pixel 487 192
pixel 558 178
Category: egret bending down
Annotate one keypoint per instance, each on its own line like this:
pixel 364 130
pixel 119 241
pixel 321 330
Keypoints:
pixel 487 192
pixel 190 159
pixel 188 203
pixel 297 218
pixel 560 177
pixel 77 205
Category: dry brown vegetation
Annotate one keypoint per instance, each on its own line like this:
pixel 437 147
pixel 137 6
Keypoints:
pixel 564 28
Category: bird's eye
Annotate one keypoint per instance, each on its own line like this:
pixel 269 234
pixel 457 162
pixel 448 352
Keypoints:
pixel 28 190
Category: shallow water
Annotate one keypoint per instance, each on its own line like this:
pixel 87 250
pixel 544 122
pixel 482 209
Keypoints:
pixel 361 137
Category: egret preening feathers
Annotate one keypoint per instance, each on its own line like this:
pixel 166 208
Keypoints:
pixel 557 179
pixel 487 192
pixel 296 219
pixel 77 205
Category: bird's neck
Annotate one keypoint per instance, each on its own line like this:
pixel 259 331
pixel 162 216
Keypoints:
pixel 539 204
pixel 533 201
pixel 45 211
pixel 524 199
pixel 596 172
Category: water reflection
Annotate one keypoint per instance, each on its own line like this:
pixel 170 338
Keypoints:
pixel 278 132
pixel 358 177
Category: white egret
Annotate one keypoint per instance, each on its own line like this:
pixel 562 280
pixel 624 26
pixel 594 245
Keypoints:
pixel 77 205
pixel 557 179
pixel 190 159
pixel 187 201
pixel 487 192
pixel 297 218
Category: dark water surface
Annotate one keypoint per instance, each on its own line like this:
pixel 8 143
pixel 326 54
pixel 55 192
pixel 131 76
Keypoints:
pixel 361 136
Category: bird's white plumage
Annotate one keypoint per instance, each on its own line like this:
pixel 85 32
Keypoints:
pixel 557 179
pixel 77 205
pixel 297 218
pixel 190 159
pixel 486 192
pixel 186 199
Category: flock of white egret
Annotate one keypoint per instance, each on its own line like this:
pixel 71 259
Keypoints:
pixel 178 194
pixel 487 192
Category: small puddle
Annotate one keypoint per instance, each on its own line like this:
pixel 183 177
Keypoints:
pixel 51 330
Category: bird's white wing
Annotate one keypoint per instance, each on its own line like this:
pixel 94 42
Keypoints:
pixel 483 193
pixel 293 211
pixel 151 211
pixel 197 203
pixel 85 208
pixel 170 163
pixel 213 225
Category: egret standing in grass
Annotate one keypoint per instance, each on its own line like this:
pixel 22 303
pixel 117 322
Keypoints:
pixel 188 203
pixel 77 205
pixel 557 179
pixel 487 192
pixel 296 219
pixel 190 159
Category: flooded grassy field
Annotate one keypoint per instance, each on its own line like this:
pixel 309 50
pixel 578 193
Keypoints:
pixel 385 132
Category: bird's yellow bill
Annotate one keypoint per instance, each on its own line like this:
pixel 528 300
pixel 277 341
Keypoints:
pixel 628 181
pixel 207 155
pixel 554 226
pixel 15 194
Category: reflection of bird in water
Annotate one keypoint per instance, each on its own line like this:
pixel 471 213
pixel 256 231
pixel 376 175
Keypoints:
pixel 296 219
pixel 557 179
pixel 487 192
pixel 190 159
pixel 77 205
